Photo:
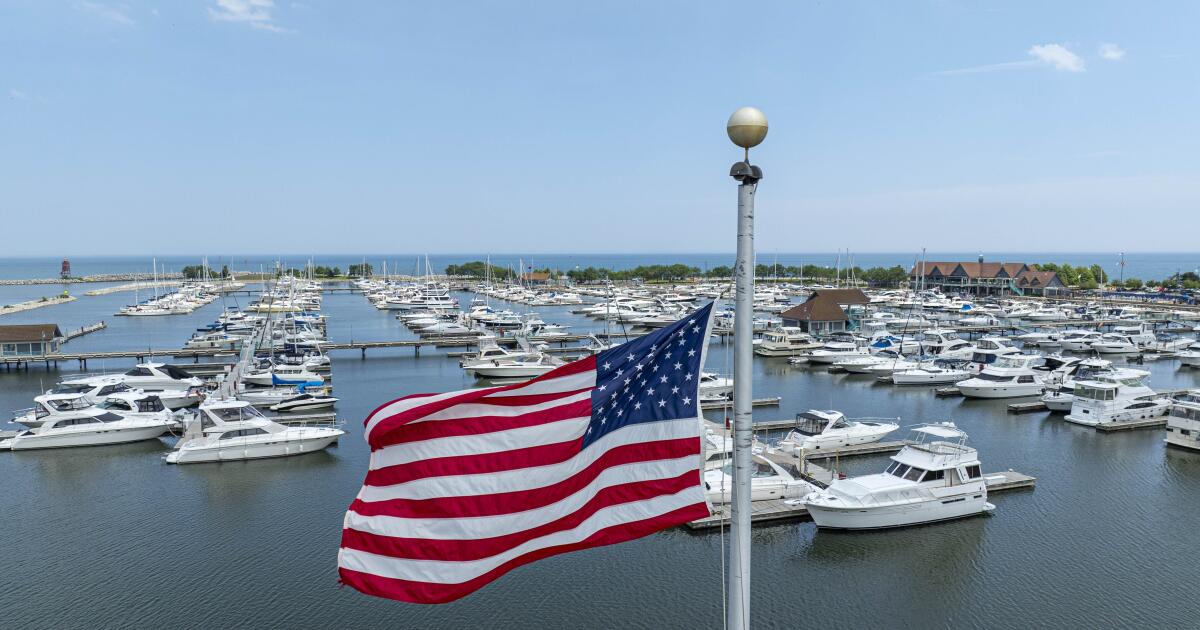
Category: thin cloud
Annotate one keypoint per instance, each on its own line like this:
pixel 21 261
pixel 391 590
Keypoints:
pixel 256 13
pixel 105 12
pixel 1054 55
pixel 1111 52
pixel 19 95
pixel 1058 57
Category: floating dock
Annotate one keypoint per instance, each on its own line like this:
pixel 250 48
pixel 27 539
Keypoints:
pixel 728 404
pixel 1148 423
pixel 1026 407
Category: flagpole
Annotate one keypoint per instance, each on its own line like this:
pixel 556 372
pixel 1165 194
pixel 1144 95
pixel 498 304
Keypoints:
pixel 747 127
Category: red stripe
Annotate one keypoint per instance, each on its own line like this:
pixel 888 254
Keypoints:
pixel 421 431
pixel 475 549
pixel 381 429
pixel 473 464
pixel 521 500
pixel 434 593
pixel 529 399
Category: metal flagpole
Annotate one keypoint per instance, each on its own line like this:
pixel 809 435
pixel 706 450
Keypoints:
pixel 747 127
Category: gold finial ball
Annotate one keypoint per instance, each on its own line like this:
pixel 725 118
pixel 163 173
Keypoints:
pixel 747 127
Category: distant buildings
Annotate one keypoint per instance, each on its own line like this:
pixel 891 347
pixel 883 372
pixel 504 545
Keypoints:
pixel 986 278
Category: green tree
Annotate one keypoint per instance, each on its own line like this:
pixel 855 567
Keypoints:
pixel 361 269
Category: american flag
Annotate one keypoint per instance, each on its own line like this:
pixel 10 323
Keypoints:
pixel 465 486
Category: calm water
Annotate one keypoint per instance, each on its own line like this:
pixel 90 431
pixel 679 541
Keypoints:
pixel 1142 265
pixel 112 536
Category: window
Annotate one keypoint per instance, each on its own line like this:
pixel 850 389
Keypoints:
pixel 892 467
pixel 1184 432
pixel 935 475
pixel 116 404
pixel 760 469
pixel 984 376
pixel 175 372
pixel 138 371
pixel 1026 378
pixel 914 474
pixel 900 470
pixel 150 404
pixel 973 472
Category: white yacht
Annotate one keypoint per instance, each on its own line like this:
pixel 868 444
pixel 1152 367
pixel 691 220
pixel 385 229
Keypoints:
pixel 864 365
pixel 1114 343
pixel 142 418
pixel 835 351
pixel 1119 396
pixel 1183 423
pixel 304 401
pixel 281 374
pixel 768 480
pixel 1011 376
pixel 527 367
pixel 1079 341
pixel 1191 356
pixel 816 430
pixel 150 377
pixel 56 406
pixel 96 389
pixel 936 372
pixel 989 349
pixel 715 385
pixel 226 430
pixel 1060 394
pixel 785 341
pixel 935 478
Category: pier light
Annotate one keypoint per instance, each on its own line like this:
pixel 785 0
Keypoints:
pixel 747 127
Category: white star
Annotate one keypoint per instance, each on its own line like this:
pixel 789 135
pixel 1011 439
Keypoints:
pixel 637 405
pixel 607 365
pixel 695 329
pixel 674 390
pixel 589 431
pixel 619 372
pixel 682 341
pixel 602 420
pixel 663 379
pixel 653 348
pixel 680 332
pixel 687 377
pixel 654 368
pixel 639 367
pixel 603 387
pixel 692 321
pixel 662 403
pixel 649 393
pixel 627 381
pixel 678 365
pixel 691 353
pixel 631 357
pixel 687 401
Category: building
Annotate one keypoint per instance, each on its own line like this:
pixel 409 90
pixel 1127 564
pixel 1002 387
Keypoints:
pixel 535 277
pixel 824 311
pixel 29 340
pixel 984 278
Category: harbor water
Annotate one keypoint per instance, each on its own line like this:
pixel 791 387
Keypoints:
pixel 114 537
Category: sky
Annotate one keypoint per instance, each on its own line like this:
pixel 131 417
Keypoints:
pixel 240 126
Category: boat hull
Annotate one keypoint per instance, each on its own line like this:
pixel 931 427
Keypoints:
pixel 238 452
pixel 902 515
pixel 71 440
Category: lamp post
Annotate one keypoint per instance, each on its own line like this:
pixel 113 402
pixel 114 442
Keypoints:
pixel 747 127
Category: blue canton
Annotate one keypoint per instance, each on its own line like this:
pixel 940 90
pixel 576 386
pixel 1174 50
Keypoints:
pixel 654 377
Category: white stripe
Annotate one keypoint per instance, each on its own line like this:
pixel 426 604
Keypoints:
pixel 399 406
pixel 475 410
pixel 489 526
pixel 442 572
pixel 529 478
pixel 512 439
pixel 566 383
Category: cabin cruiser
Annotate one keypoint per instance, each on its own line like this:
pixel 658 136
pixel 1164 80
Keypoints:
pixel 125 417
pixel 280 374
pixel 1011 376
pixel 490 353
pixel 886 342
pixel 1183 423
pixel 989 349
pixel 864 365
pixel 712 385
pixel 835 351
pixel 527 367
pixel 938 341
pixel 768 480
pixel 934 478
pixel 816 430
pixel 1120 396
pixel 226 430
pixel 1045 314
pixel 883 371
pixel 1113 343
pixel 785 341
pixel 1079 341
pixel 936 372
pixel 151 377
pixel 1191 356
pixel 1167 342
pixel 96 389
pixel 1061 393
pixel 304 401
pixel 56 406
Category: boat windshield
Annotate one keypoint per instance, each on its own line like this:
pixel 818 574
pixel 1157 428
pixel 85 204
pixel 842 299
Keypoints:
pixel 984 376
pixel 1095 393
pixel 236 414
pixel 69 404
pixel 1189 413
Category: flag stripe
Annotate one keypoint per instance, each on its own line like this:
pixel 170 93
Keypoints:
pixel 457 550
pixel 482 422
pixel 508 502
pixel 419 592
pixel 531 474
pixel 549 433
pixel 456 572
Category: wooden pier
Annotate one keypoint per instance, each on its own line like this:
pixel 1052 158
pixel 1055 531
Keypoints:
pixel 947 392
pixel 1026 407
pixel 727 404
pixel 1148 423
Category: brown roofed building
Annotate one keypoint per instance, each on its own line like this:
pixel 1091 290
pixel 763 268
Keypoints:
pixel 1038 282
pixel 25 340
pixel 977 277
pixel 823 312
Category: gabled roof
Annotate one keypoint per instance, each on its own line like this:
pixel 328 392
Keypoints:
pixel 1037 279
pixel 971 270
pixel 25 333
pixel 825 306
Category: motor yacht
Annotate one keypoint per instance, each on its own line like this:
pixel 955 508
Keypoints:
pixel 1120 396
pixel 1113 343
pixel 280 374
pixel 1060 392
pixel 835 351
pixel 1080 340
pixel 768 480
pixel 150 377
pixel 936 372
pixel 1011 376
pixel 785 341
pixel 1183 422
pixel 527 367
pixel 822 430
pixel 123 418
pixel 304 401
pixel 715 385
pixel 96 389
pixel 864 365
pixel 1191 356
pixel 936 477
pixel 989 349
pixel 226 430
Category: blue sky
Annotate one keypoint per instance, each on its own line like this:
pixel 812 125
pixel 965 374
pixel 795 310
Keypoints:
pixel 318 126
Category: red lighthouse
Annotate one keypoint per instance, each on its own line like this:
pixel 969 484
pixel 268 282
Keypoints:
pixel 66 269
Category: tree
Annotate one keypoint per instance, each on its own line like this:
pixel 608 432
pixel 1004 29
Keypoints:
pixel 224 271
pixel 1085 280
pixel 361 269
pixel 1099 275
pixel 1133 283
pixel 193 272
